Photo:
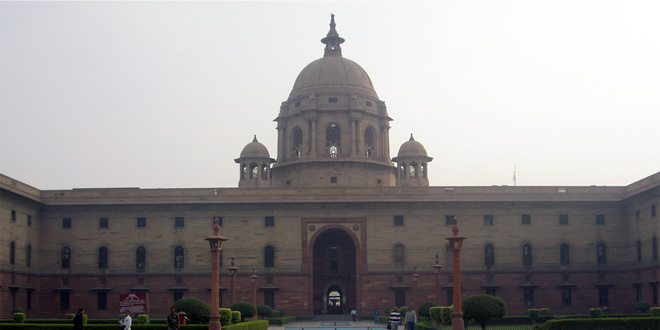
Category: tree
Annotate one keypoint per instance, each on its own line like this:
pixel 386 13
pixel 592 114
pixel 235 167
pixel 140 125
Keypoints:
pixel 483 307
pixel 247 310
pixel 642 306
pixel 197 311
pixel 264 310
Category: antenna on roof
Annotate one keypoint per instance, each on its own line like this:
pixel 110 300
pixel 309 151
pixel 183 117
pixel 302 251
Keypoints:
pixel 514 175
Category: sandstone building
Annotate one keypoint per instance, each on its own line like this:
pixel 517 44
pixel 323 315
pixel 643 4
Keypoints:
pixel 331 224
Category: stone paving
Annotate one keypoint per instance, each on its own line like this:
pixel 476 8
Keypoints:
pixel 328 325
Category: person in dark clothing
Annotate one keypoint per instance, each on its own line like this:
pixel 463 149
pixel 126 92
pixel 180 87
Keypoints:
pixel 78 320
pixel 172 320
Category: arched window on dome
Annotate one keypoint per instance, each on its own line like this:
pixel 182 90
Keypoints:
pixel 254 170
pixel 369 142
pixel 413 169
pixel 423 170
pixel 243 171
pixel 264 171
pixel 333 140
pixel 402 170
pixel 297 143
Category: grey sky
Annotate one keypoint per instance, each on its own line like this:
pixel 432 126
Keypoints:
pixel 166 94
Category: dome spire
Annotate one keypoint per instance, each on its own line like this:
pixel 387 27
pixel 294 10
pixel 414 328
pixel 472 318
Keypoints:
pixel 255 138
pixel 332 40
pixel 411 137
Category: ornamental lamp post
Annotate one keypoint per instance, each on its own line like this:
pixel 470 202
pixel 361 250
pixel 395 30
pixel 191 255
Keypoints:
pixel 456 242
pixel 253 278
pixel 215 242
pixel 415 277
pixel 436 270
pixel 232 271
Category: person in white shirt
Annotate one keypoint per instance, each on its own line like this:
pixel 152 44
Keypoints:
pixel 126 321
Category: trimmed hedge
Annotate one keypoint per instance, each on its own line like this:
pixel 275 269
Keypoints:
pixel 19 317
pixel 639 323
pixel 655 311
pixel 281 320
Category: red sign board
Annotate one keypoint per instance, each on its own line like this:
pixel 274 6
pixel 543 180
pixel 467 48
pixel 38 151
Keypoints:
pixel 134 303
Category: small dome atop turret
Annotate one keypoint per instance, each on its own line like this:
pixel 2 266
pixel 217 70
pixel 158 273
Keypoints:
pixel 412 148
pixel 255 149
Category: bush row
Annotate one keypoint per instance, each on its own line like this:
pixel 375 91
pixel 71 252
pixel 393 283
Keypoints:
pixel 640 323
pixel 250 325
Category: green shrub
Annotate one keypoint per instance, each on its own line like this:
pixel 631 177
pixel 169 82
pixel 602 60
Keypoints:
pixel 655 311
pixel 275 314
pixel 642 306
pixel 247 310
pixel 19 317
pixel 447 314
pixel 141 319
pixel 235 317
pixel 403 310
pixel 197 311
pixel 282 311
pixel 388 310
pixel 483 307
pixel 225 316
pixel 533 314
pixel 632 323
pixel 544 311
pixel 282 320
pixel 17 310
pixel 85 319
pixel 423 309
pixel 435 313
pixel 264 310
pixel 595 312
pixel 70 316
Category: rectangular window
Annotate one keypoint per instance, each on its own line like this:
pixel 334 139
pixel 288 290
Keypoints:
pixel 653 210
pixel 13 216
pixel 450 297
pixel 398 220
pixel 141 222
pixel 488 219
pixel 566 297
pixel 101 300
pixel 176 295
pixel 491 292
pixel 637 217
pixel 603 297
pixel 600 219
pixel 638 292
pixel 333 179
pixel 332 99
pixel 12 298
pixel 29 221
pixel 28 302
pixel 103 222
pixel 218 220
pixel 269 221
pixel 66 223
pixel 64 301
pixel 563 219
pixel 269 298
pixel 526 219
pixel 449 220
pixel 529 297
pixel 654 294
pixel 178 222
pixel 400 297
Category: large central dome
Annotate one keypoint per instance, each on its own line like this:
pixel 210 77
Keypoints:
pixel 333 73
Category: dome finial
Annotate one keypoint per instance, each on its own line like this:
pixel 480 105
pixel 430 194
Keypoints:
pixel 332 40
pixel 411 137
pixel 255 138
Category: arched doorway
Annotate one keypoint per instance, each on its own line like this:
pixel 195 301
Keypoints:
pixel 334 260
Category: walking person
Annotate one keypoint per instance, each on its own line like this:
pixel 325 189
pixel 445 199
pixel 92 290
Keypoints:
pixel 376 315
pixel 354 314
pixel 172 320
pixel 395 318
pixel 78 320
pixel 126 321
pixel 411 318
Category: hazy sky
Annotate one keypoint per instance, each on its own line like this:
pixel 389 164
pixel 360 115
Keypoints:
pixel 166 94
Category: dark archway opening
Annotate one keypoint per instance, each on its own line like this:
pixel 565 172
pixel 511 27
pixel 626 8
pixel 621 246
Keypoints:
pixel 334 272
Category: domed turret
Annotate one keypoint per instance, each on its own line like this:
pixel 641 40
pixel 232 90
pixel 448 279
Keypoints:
pixel 254 165
pixel 412 163
pixel 333 130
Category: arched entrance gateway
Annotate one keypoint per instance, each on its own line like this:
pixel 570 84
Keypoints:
pixel 334 278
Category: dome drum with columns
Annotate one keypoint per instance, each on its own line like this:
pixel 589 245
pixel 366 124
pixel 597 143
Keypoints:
pixel 333 130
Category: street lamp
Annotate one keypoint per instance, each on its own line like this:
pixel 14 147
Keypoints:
pixel 215 243
pixel 456 242
pixel 232 271
pixel 436 270
pixel 253 278
pixel 415 277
